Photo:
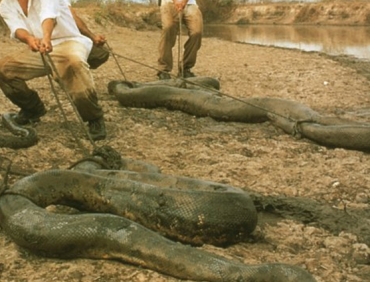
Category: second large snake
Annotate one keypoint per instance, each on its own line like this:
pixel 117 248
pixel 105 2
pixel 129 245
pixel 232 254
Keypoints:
pixel 201 101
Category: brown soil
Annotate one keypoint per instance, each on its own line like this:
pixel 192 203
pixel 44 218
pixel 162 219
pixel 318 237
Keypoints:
pixel 345 12
pixel 256 157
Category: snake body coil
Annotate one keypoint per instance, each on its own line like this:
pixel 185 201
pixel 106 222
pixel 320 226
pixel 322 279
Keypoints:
pixel 21 137
pixel 292 117
pixel 209 212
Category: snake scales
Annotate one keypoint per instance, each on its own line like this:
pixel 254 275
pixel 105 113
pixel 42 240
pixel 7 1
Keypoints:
pixel 121 210
pixel 21 137
pixel 186 209
pixel 292 117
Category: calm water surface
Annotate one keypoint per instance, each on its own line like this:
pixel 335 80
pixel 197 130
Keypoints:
pixel 332 40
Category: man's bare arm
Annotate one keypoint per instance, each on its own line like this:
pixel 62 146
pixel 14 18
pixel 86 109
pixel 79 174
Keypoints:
pixel 180 4
pixel 41 45
pixel 25 37
pixel 98 40
pixel 47 29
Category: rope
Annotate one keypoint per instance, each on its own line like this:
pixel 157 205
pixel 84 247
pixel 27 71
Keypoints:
pixel 180 61
pixel 115 59
pixel 53 90
pixel 208 88
pixel 110 158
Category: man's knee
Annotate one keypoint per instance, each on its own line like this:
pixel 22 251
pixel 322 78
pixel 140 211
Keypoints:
pixel 97 57
pixel 196 36
pixel 72 63
pixel 3 67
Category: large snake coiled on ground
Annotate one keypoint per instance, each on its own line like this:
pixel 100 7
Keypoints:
pixel 292 117
pixel 21 137
pixel 208 212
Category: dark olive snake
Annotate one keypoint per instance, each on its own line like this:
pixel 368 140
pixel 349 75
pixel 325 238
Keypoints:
pixel 21 137
pixel 185 209
pixel 292 117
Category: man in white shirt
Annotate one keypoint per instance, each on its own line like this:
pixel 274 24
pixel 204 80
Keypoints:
pixel 193 20
pixel 48 27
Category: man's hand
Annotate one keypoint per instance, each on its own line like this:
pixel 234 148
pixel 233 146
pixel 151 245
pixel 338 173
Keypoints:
pixel 45 46
pixel 47 29
pixel 34 43
pixel 180 4
pixel 98 40
pixel 39 45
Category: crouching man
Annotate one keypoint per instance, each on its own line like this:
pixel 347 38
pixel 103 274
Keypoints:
pixel 48 27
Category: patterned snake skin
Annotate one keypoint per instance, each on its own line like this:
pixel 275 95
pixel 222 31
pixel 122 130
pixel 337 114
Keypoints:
pixel 292 117
pixel 21 137
pixel 185 209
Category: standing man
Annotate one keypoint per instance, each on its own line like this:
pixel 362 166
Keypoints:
pixel 48 27
pixel 171 11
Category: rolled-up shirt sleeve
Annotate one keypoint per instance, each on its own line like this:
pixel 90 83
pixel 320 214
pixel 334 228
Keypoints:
pixel 49 9
pixel 13 19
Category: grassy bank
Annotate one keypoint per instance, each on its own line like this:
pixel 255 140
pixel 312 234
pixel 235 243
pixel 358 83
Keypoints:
pixel 326 12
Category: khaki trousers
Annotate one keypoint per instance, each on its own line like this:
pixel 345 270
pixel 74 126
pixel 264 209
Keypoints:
pixel 193 20
pixel 69 59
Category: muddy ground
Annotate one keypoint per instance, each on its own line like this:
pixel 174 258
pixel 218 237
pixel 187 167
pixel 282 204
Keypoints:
pixel 254 157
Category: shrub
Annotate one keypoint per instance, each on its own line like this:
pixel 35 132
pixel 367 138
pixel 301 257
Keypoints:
pixel 216 10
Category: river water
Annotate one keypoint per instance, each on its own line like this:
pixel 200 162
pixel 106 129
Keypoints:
pixel 332 40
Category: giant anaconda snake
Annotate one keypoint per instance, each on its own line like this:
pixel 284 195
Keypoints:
pixel 186 209
pixel 292 117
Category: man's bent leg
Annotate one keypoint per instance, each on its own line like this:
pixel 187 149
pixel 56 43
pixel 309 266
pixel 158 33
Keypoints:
pixel 194 21
pixel 98 56
pixel 169 18
pixel 75 76
pixel 14 71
